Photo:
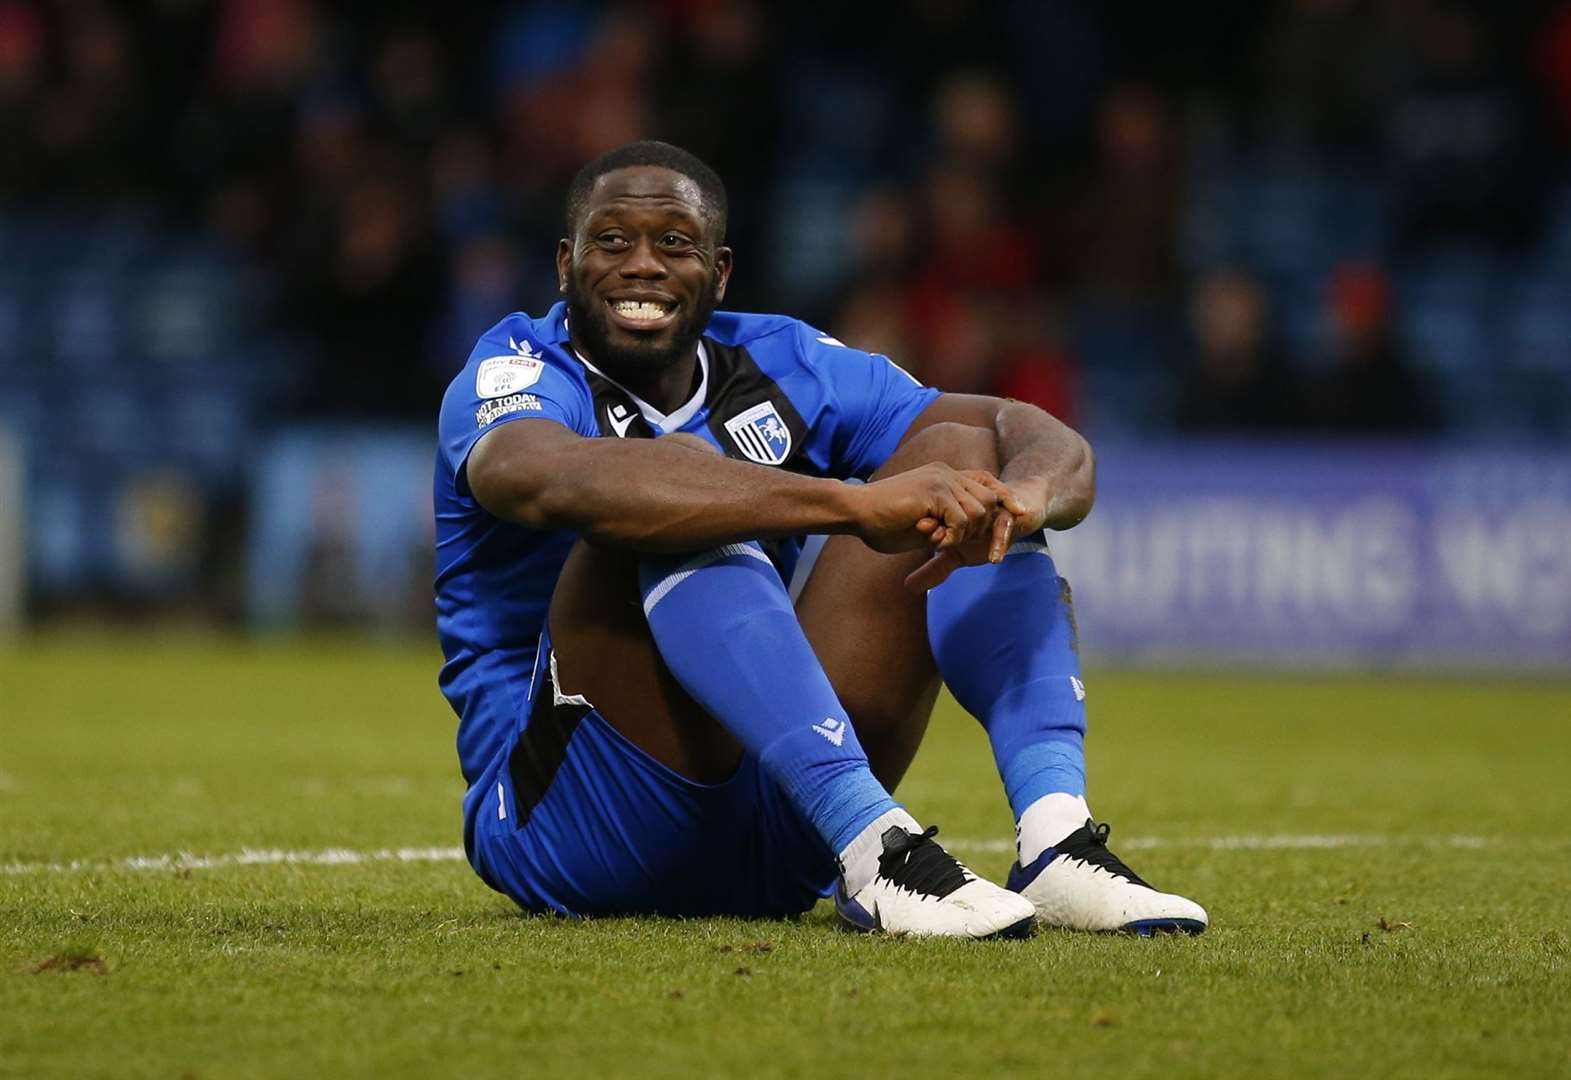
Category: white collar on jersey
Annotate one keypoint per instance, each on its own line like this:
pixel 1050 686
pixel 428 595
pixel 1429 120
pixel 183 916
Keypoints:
pixel 664 423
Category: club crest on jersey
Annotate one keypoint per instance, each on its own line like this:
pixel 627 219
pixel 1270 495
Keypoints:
pixel 760 434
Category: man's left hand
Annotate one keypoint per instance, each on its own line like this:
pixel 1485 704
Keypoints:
pixel 1022 510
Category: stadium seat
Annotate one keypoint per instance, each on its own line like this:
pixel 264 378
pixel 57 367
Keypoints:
pixel 17 339
pixel 1126 406
pixel 1447 311
pixel 1538 327
pixel 207 430
pixel 86 327
pixel 1121 337
pixel 1556 242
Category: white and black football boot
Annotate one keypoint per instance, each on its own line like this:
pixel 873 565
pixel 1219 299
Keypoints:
pixel 922 890
pixel 1080 885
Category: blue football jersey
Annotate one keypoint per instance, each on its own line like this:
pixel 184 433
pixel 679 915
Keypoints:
pixel 772 390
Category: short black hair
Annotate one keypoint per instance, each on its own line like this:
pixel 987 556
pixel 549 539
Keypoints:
pixel 662 155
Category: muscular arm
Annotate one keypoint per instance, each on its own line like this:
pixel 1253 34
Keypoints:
pixel 1046 463
pixel 662 495
pixel 1047 477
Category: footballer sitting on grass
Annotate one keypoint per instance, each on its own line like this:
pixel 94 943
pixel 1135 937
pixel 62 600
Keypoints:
pixel 690 660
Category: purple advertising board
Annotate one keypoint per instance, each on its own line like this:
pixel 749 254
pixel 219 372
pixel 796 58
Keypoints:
pixel 1260 553
pixel 1326 555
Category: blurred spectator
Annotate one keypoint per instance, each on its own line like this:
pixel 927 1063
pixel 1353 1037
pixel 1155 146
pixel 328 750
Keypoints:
pixel 1368 385
pixel 594 96
pixel 1553 59
pixel 1325 68
pixel 485 286
pixel 882 233
pixel 975 117
pixel 873 318
pixel 409 83
pixel 467 196
pixel 21 73
pixel 1119 225
pixel 366 290
pixel 723 109
pixel 92 126
pixel 1239 379
pixel 1005 196
pixel 946 275
pixel 1035 364
pixel 1463 140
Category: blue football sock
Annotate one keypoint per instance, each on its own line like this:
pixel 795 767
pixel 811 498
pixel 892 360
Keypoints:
pixel 726 630
pixel 1003 637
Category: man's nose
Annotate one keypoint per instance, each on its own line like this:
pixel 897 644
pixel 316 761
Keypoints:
pixel 643 261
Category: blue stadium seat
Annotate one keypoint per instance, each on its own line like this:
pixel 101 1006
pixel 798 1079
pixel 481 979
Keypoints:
pixel 1283 217
pixel 87 328
pixel 1298 313
pixel 1126 406
pixel 18 339
pixel 810 225
pixel 185 311
pixel 1537 327
pixel 1447 310
pixel 1119 337
pixel 68 543
pixel 1291 217
pixel 208 431
pixel 1356 218
pixel 1556 239
pixel 1503 406
pixel 119 242
pixel 24 414
pixel 112 425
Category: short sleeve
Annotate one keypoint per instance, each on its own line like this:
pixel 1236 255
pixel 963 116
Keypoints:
pixel 509 378
pixel 875 402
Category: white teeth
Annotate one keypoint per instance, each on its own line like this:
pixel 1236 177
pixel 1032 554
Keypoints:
pixel 645 310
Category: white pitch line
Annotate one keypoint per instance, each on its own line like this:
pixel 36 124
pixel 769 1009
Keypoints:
pixel 244 857
pixel 350 857
pixel 1265 842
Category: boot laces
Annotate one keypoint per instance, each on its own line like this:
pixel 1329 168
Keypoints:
pixel 915 862
pixel 1089 844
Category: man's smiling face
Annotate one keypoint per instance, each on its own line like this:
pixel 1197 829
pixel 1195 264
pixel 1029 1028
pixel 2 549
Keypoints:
pixel 643 272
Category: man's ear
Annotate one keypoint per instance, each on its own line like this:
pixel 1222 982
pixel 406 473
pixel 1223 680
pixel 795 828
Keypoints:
pixel 564 263
pixel 722 271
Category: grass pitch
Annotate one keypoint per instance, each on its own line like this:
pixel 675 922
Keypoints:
pixel 1387 863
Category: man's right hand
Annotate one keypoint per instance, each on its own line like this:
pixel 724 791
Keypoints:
pixel 932 507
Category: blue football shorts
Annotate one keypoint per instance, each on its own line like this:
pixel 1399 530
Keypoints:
pixel 580 821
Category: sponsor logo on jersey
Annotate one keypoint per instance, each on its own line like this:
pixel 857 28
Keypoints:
pixel 1078 687
pixel 760 434
pixel 491 410
pixel 832 729
pixel 499 376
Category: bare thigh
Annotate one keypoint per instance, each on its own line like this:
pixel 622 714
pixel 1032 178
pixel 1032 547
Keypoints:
pixel 867 631
pixel 604 651
pixel 870 632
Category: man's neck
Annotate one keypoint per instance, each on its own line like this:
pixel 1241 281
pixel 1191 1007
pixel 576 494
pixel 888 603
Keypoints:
pixel 666 390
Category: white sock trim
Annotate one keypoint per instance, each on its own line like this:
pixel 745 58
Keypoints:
pixel 859 860
pixel 1047 821
pixel 695 564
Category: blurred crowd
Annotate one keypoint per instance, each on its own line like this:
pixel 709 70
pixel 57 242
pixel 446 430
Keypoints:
pixel 1299 215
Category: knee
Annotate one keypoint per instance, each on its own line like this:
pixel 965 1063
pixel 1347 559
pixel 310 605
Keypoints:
pixel 959 446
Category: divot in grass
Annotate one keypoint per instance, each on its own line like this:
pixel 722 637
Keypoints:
pixel 83 958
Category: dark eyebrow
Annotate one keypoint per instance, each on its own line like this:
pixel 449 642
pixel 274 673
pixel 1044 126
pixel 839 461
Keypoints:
pixel 677 213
